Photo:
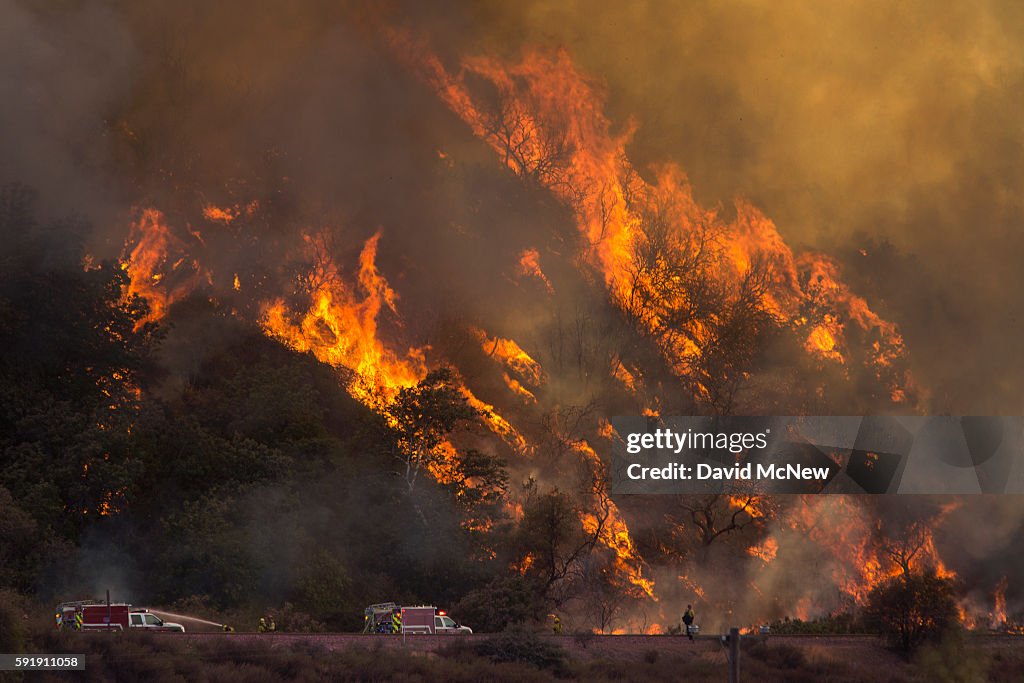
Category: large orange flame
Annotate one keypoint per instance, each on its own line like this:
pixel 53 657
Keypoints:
pixel 340 326
pixel 614 535
pixel 549 128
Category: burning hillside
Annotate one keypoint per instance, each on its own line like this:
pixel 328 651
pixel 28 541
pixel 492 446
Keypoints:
pixel 475 251
pixel 681 273
pixel 704 290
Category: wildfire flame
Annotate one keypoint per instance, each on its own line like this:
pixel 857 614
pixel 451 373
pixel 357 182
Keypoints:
pixel 523 565
pixel 497 424
pixel 226 215
pixel 158 265
pixel 516 361
pixel 863 559
pixel 529 266
pixel 998 619
pixel 549 128
pixel 218 214
pixel 765 551
pixel 340 326
pixel 614 535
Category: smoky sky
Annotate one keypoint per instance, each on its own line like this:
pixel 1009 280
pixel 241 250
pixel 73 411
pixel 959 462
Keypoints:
pixel 62 71
pixel 851 125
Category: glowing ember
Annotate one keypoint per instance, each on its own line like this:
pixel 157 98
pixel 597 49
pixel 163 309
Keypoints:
pixel 765 551
pixel 523 565
pixel 529 266
pixel 225 215
pixel 218 214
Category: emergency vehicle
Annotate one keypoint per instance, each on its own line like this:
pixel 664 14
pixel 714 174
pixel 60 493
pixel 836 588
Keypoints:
pixel 388 617
pixel 87 615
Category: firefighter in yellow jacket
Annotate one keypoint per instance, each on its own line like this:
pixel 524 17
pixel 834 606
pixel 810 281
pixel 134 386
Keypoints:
pixel 688 617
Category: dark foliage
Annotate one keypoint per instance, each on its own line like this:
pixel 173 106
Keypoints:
pixel 250 482
pixel 912 609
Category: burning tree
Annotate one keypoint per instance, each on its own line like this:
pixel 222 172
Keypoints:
pixel 422 417
pixel 556 543
pixel 737 317
pixel 705 519
pixel 913 608
pixel 76 352
pixel 712 328
pixel 536 152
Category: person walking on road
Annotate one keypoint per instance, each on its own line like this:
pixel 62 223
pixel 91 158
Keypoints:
pixel 688 616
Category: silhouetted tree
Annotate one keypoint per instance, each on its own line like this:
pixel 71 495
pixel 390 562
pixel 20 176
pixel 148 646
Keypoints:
pixel 914 608
pixel 422 417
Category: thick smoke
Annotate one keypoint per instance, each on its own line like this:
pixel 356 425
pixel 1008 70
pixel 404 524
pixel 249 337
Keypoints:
pixel 63 73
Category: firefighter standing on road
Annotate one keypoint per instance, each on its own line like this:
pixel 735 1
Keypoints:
pixel 557 627
pixel 262 626
pixel 271 626
pixel 688 616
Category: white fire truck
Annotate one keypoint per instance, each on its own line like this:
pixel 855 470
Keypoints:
pixel 87 615
pixel 388 617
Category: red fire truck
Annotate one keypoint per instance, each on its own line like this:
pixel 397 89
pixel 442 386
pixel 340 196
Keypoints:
pixel 388 617
pixel 102 616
